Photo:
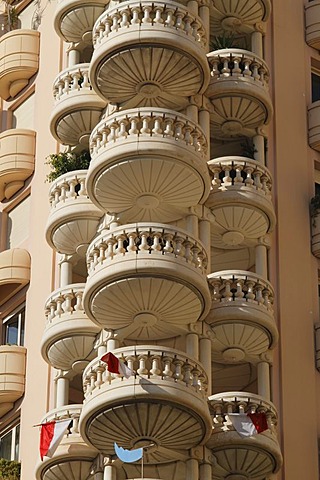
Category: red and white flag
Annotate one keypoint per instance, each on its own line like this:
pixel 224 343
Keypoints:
pixel 248 424
pixel 51 435
pixel 116 366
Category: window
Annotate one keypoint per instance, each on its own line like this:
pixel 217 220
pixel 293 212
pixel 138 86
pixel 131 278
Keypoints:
pixel 23 115
pixel 315 84
pixel 9 444
pixel 13 328
pixel 18 224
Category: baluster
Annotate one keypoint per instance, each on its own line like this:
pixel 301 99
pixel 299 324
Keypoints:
pixel 83 190
pixel 239 293
pixel 265 187
pixel 218 416
pixel 60 89
pixel 187 24
pixel 236 69
pixel 177 372
pixel 56 196
pixel 99 369
pixel 266 300
pixel 255 71
pixel 215 69
pixel 227 294
pixel 195 378
pixel 144 246
pixel 59 309
pixel 122 131
pixel 155 362
pixel 85 384
pixel 178 135
pixel 135 16
pixel 178 248
pixel 53 307
pixel 195 28
pixel 68 302
pixel 169 22
pixel 106 28
pixel 145 125
pixel 115 22
pixel 146 14
pixel 216 182
pixel 124 20
pixel 63 192
pixel 85 76
pixel 263 79
pixel 132 248
pixel 120 250
pixel 187 376
pixel 168 132
pixel 75 81
pixel 258 294
pixel 133 126
pixel 238 178
pixel 195 255
pixel 179 23
pixel 95 257
pixel 226 70
pixel 78 306
pixel 250 294
pixel 167 371
pixel 93 378
pixel 248 180
pixel 227 180
pixel 157 130
pixel 187 250
pixel 104 139
pixel 75 425
pixel 256 179
pixel 110 252
pixel 130 362
pixel 246 71
pixel 168 246
pixel 102 251
pixel 216 296
pixel 66 84
pixel 242 407
pixel 158 17
pixel 187 136
pixel 195 141
pixel 156 245
pixel 142 370
pixel 71 193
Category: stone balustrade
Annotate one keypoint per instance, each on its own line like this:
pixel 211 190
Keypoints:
pixel 72 79
pixel 64 300
pixel 147 122
pixel 145 238
pixel 239 286
pixel 68 186
pixel 238 63
pixel 63 413
pixel 150 362
pixel 240 171
pixel 130 15
pixel 239 402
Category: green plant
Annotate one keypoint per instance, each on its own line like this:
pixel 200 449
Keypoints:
pixel 64 162
pixel 315 205
pixel 248 149
pixel 223 41
pixel 10 16
pixel 9 470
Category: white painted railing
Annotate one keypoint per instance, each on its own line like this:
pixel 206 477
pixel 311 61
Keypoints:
pixel 151 362
pixel 240 171
pixel 238 286
pixel 70 185
pixel 148 122
pixel 145 238
pixel 169 16
pixel 72 79
pixel 64 300
pixel 238 63
pixel 239 402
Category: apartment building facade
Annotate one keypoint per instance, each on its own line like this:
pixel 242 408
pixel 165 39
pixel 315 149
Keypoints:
pixel 185 246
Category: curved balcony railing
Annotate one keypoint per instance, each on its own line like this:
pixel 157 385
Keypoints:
pixel 165 182
pixel 69 334
pixel 74 19
pixel 73 219
pixel 242 315
pixel 314 125
pixel 12 375
pixel 165 32
pixel 77 107
pixel 72 455
pixel 236 74
pixel 262 455
pixel 313 23
pixel 17 153
pixel 240 200
pixel 15 266
pixel 167 386
pixel 19 60
pixel 146 280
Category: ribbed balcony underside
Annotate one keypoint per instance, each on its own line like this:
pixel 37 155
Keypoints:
pixel 146 281
pixel 74 19
pixel 148 164
pixel 238 15
pixel 148 54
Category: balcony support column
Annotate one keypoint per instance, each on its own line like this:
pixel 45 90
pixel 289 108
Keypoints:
pixel 205 471
pixel 204 235
pixel 192 225
pixel 257 43
pixel 62 389
pixel 65 271
pixel 204 14
pixel 192 112
pixel 259 154
pixel 192 470
pixel 193 7
pixel 263 370
pixel 261 253
pixel 204 122
pixel 109 472
pixel 205 359
pixel 192 345
pixel 73 56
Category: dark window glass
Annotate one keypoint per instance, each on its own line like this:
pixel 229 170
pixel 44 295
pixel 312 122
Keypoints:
pixel 5 446
pixel 13 329
pixel 315 81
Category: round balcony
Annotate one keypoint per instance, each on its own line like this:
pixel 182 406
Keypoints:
pixel 15 266
pixel 239 93
pixel 163 403
pixel 256 457
pixel 74 19
pixel 146 281
pixel 73 219
pixel 69 334
pixel 241 316
pixel 148 164
pixel 77 107
pixel 149 54
pixel 313 23
pixel 12 376
pixel 73 457
pixel 238 15
pixel 240 201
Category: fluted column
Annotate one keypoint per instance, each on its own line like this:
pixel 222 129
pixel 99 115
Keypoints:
pixel 62 389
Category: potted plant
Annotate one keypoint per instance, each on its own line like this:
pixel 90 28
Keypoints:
pixel 64 162
pixel 315 225
pixel 9 470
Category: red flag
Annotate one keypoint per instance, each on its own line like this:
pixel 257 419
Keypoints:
pixel 116 366
pixel 51 435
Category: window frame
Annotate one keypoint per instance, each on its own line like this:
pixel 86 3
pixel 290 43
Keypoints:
pixel 7 318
